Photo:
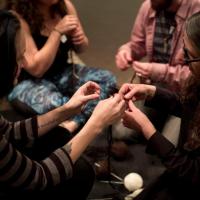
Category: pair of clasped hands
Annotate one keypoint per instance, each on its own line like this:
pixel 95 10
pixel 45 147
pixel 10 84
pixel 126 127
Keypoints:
pixel 119 106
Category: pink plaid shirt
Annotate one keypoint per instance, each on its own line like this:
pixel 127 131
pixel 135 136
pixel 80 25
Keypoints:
pixel 141 42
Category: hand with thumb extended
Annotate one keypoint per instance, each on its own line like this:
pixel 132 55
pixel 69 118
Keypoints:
pixel 153 71
pixel 88 91
pixel 142 69
pixel 135 119
pixel 108 111
pixel 136 92
pixel 123 59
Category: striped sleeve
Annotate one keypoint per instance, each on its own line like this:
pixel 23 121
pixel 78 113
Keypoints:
pixel 18 171
pixel 21 132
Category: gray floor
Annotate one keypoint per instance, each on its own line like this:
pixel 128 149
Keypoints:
pixel 108 25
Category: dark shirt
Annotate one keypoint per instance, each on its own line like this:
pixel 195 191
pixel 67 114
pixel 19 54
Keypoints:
pixel 60 62
pixel 181 180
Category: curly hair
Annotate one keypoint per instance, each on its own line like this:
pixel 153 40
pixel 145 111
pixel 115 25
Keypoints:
pixel 9 26
pixel 28 10
pixel 190 97
pixel 191 91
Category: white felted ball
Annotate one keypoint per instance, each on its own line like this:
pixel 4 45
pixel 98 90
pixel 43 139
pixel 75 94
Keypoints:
pixel 133 181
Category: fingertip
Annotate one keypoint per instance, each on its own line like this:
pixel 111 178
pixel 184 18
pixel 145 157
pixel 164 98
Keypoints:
pixel 126 97
pixel 98 92
pixel 131 104
pixel 96 95
pixel 130 61
pixel 134 99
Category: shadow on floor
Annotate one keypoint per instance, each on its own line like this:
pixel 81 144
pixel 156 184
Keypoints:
pixel 138 161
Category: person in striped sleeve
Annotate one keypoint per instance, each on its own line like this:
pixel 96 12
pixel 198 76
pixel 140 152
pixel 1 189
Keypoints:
pixel 51 176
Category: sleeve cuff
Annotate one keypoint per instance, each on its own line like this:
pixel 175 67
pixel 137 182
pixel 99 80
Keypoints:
pixel 158 144
pixel 160 95
pixel 35 126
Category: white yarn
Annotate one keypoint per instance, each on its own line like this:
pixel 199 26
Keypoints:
pixel 133 181
pixel 133 194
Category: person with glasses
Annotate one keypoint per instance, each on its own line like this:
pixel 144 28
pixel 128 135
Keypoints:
pixel 53 31
pixel 156 39
pixel 60 172
pixel 181 179
pixel 156 36
pixel 188 58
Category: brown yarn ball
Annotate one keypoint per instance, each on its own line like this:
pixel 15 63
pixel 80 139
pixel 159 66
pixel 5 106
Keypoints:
pixel 101 169
pixel 119 150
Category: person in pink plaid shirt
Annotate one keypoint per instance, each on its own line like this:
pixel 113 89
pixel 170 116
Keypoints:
pixel 157 35
pixel 155 51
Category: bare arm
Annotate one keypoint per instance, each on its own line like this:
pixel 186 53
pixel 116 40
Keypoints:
pixel 88 91
pixel 27 174
pixel 53 118
pixel 106 113
pixel 79 38
pixel 39 61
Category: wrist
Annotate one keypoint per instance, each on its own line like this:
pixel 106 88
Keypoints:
pixel 57 31
pixel 125 47
pixel 96 125
pixel 148 130
pixel 66 111
pixel 151 92
pixel 63 38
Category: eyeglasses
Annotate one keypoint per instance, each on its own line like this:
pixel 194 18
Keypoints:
pixel 187 59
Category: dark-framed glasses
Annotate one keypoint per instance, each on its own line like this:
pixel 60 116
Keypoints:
pixel 187 59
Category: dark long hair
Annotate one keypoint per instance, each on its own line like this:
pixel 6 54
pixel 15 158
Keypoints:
pixel 9 26
pixel 191 91
pixel 29 11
